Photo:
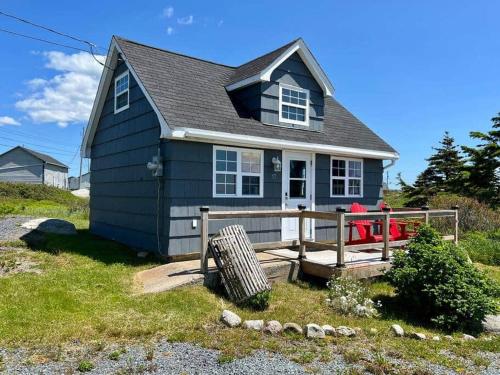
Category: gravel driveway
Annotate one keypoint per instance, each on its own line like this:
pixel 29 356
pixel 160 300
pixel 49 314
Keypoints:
pixel 10 227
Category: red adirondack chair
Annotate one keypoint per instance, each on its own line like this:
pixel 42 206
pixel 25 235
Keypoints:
pixel 398 229
pixel 364 228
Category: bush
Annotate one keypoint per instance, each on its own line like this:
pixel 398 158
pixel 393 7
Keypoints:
pixel 259 302
pixel 350 297
pixel 436 279
pixel 472 215
pixel 483 247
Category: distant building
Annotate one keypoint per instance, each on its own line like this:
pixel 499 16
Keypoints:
pixel 74 185
pixel 21 164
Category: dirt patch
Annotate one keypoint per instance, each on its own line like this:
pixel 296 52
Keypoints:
pixel 11 264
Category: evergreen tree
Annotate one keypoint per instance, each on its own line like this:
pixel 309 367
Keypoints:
pixel 484 165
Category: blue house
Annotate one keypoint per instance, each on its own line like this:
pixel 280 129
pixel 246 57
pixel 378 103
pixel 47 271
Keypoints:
pixel 169 133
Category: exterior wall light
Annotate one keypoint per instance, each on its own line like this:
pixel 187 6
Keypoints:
pixel 276 164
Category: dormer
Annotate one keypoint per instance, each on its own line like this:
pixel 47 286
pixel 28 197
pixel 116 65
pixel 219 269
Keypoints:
pixel 285 87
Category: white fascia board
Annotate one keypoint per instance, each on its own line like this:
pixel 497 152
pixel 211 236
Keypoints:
pixel 308 59
pixel 101 97
pixel 208 136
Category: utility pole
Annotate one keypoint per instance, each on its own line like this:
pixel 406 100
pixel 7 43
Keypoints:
pixel 81 161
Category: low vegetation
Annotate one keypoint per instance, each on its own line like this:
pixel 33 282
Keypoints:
pixel 483 247
pixel 350 297
pixel 436 279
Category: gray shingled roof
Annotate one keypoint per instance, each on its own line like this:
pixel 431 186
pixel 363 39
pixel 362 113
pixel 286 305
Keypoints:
pixel 43 157
pixel 190 93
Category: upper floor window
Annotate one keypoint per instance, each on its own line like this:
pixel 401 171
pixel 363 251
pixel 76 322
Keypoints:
pixel 238 172
pixel 346 177
pixel 121 92
pixel 294 105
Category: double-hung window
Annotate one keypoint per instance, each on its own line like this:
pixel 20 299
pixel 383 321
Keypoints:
pixel 294 105
pixel 346 177
pixel 122 92
pixel 238 172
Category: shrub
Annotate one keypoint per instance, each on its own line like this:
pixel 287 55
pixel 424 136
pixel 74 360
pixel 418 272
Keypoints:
pixel 85 366
pixel 472 215
pixel 483 247
pixel 260 301
pixel 436 279
pixel 350 297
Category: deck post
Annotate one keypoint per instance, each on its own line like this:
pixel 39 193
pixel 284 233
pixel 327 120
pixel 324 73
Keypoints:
pixel 386 232
pixel 455 237
pixel 426 213
pixel 204 239
pixel 340 236
pixel 302 232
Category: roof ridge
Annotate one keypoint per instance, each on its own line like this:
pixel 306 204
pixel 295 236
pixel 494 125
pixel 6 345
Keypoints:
pixel 270 52
pixel 173 52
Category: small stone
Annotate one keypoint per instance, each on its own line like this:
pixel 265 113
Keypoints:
pixel 373 331
pixel 436 338
pixel 292 328
pixel 468 337
pixel 230 319
pixel 314 331
pixel 256 325
pixel 345 331
pixel 448 337
pixel 142 254
pixel 329 330
pixel 491 323
pixel 418 336
pixel 273 327
pixel 398 330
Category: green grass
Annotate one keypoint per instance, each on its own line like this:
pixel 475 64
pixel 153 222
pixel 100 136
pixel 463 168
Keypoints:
pixel 395 198
pixel 483 247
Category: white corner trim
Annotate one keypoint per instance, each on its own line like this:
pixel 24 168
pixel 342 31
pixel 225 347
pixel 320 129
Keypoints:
pixel 222 138
pixel 300 47
pixel 100 98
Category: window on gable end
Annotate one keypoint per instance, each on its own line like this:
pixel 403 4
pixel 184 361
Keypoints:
pixel 294 105
pixel 122 92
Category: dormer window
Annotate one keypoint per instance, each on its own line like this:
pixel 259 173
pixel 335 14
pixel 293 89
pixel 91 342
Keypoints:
pixel 294 105
pixel 121 92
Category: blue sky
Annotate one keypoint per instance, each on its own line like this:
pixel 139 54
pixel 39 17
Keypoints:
pixel 410 70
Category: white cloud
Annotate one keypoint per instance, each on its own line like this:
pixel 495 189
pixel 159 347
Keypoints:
pixel 168 12
pixel 170 30
pixel 220 23
pixel 186 20
pixel 67 97
pixel 6 120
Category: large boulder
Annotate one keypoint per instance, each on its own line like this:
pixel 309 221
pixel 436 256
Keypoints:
pixel 273 327
pixel 256 325
pixel 491 324
pixel 230 319
pixel 47 225
pixel 314 331
pixel 292 328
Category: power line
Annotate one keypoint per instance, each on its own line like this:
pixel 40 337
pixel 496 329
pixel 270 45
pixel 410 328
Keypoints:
pixel 58 151
pixel 43 40
pixel 21 133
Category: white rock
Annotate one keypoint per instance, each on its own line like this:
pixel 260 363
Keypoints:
pixel 345 331
pixel 398 330
pixel 314 331
pixel 373 331
pixel 491 323
pixel 329 330
pixel 293 328
pixel 48 225
pixel 448 337
pixel 273 327
pixel 436 338
pixel 142 254
pixel 230 319
pixel 256 325
pixel 418 336
pixel 468 337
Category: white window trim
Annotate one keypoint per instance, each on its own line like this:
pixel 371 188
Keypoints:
pixel 281 103
pixel 239 173
pixel 346 178
pixel 121 92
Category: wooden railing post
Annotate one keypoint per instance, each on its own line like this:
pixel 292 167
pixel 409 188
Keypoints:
pixel 302 232
pixel 455 239
pixel 426 214
pixel 340 236
pixel 386 232
pixel 204 239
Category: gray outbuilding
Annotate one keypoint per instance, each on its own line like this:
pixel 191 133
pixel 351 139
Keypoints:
pixel 21 164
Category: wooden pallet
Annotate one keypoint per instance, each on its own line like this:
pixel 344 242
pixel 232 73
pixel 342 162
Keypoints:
pixel 235 258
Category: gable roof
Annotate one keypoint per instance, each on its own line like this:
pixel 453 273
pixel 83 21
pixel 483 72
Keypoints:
pixel 43 157
pixel 190 97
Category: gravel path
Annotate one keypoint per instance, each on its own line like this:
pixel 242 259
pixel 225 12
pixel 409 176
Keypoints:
pixel 10 227
pixel 181 358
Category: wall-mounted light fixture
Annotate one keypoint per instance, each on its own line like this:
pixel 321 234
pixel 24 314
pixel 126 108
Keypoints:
pixel 276 164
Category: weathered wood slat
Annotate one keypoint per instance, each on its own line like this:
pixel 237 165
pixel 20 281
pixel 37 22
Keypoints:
pixel 235 258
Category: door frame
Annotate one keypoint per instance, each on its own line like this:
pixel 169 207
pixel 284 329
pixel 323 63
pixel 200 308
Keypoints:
pixel 284 155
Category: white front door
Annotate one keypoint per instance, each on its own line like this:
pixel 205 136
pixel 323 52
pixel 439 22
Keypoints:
pixel 297 189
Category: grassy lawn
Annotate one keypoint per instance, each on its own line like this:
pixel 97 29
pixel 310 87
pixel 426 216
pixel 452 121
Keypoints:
pixel 84 293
